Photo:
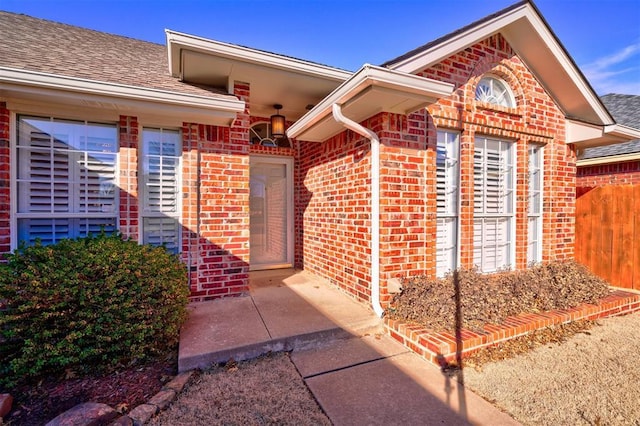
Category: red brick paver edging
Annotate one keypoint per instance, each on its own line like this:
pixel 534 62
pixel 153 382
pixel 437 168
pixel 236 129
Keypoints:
pixel 437 346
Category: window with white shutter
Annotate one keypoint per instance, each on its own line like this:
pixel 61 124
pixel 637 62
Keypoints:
pixel 534 249
pixel 66 179
pixel 447 178
pixel 493 207
pixel 160 189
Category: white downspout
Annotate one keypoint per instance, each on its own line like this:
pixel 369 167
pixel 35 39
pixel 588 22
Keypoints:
pixel 375 203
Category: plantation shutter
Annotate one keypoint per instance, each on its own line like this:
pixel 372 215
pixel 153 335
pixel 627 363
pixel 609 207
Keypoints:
pixel 447 188
pixel 493 174
pixel 161 209
pixel 65 179
pixel 534 249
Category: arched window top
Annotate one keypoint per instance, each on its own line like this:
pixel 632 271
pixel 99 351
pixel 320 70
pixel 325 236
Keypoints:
pixel 260 134
pixel 492 90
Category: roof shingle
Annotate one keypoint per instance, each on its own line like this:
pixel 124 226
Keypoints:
pixel 626 111
pixel 50 47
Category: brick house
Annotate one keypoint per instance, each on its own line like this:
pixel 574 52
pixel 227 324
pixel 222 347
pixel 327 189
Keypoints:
pixel 617 164
pixel 460 152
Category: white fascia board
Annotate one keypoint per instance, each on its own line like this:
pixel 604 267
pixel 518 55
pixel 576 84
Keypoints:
pixel 585 135
pixel 609 159
pixel 458 42
pixel 176 42
pixel 622 131
pixel 516 17
pixel 18 77
pixel 366 77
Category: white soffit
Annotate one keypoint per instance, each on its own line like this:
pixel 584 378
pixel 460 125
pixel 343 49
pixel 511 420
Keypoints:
pixel 291 82
pixel 31 85
pixel 588 135
pixel 534 42
pixel 369 91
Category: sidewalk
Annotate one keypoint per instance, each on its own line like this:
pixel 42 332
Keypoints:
pixel 357 374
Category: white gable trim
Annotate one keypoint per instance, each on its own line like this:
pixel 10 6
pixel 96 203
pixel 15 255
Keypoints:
pixel 514 24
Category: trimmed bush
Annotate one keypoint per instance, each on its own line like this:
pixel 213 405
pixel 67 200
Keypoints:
pixel 469 299
pixel 88 305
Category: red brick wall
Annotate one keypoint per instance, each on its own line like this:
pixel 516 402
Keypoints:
pixel 407 197
pixel 333 184
pixel 536 119
pixel 622 173
pixel 219 192
pixel 128 176
pixel 5 231
pixel 333 211
pixel 215 198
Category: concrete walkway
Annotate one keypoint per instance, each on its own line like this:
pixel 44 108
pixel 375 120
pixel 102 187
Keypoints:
pixel 357 374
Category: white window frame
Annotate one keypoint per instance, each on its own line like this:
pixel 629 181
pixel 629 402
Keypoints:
pixel 450 211
pixel 506 205
pixel 535 164
pixel 146 211
pixel 496 91
pixel 75 215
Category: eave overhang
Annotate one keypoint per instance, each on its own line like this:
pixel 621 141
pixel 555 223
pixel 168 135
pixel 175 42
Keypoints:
pixel 534 42
pixel 291 82
pixel 369 91
pixel 584 135
pixel 25 84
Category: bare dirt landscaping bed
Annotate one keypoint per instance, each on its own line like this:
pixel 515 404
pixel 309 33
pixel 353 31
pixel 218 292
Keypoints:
pixel 124 389
pixel 591 378
pixel 263 391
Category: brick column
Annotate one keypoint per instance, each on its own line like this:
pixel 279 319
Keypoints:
pixel 128 179
pixel 222 262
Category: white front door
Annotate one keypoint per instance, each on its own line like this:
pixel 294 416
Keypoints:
pixel 271 212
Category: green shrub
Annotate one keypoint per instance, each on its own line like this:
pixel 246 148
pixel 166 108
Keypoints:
pixel 88 304
pixel 469 299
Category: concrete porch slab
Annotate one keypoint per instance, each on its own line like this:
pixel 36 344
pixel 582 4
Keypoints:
pixel 297 303
pixel 286 309
pixel 219 330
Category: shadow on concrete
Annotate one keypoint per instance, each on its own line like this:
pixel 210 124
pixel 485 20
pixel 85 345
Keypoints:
pixel 358 374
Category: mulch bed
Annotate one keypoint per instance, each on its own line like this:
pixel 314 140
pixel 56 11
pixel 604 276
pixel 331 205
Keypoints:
pixel 123 390
pixel 468 299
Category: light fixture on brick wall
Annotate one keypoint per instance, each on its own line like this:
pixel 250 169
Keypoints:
pixel 277 123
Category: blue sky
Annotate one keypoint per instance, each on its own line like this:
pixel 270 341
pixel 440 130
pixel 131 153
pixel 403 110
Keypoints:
pixel 602 36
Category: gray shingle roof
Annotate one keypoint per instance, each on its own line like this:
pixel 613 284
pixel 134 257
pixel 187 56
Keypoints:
pixel 44 46
pixel 626 111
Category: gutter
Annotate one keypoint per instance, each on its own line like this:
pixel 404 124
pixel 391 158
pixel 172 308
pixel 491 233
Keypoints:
pixel 375 202
pixel 634 156
pixel 27 78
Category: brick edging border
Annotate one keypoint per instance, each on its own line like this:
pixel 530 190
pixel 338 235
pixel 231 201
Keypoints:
pixel 438 346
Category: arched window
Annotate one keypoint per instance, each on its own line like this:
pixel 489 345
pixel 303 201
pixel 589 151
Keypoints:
pixel 495 91
pixel 260 134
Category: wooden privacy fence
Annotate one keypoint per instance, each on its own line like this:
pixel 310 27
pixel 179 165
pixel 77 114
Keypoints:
pixel 608 233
